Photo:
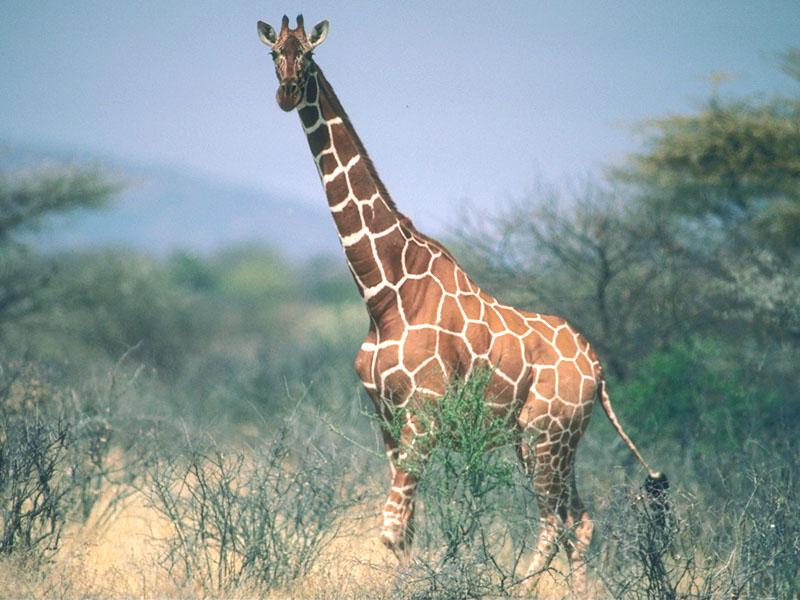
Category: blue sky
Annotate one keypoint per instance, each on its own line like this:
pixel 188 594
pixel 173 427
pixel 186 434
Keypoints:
pixel 467 100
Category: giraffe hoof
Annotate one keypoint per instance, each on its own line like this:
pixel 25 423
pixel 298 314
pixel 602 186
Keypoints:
pixel 396 543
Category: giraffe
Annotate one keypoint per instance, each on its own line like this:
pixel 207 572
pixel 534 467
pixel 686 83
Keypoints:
pixel 430 323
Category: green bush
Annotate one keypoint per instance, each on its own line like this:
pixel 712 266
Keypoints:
pixel 116 300
pixel 476 503
pixel 699 394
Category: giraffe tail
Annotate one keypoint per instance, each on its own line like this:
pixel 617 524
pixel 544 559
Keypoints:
pixel 656 484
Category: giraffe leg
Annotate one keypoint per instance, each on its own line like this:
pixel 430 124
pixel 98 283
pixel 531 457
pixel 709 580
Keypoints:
pixel 563 519
pixel 579 528
pixel 553 429
pixel 550 465
pixel 551 496
pixel 397 532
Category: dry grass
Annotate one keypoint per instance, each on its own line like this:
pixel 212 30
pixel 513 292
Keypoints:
pixel 119 557
pixel 119 553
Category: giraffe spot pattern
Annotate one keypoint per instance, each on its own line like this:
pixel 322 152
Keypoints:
pixel 429 323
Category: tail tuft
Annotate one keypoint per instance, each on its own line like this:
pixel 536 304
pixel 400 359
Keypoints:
pixel 656 485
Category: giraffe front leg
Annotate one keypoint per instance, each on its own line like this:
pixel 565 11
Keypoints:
pixel 407 460
pixel 397 532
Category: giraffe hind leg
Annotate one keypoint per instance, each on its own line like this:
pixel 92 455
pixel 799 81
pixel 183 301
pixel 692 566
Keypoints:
pixel 579 528
pixel 563 519
pixel 550 497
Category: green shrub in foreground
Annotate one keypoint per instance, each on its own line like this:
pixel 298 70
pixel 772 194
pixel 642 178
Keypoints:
pixel 475 501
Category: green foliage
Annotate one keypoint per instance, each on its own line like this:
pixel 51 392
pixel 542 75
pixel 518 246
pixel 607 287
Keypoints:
pixel 23 278
pixel 698 394
pixel 25 199
pixel 461 433
pixel 112 301
pixel 726 158
pixel 733 165
pixel 225 333
pixel 253 274
pixel 325 280
pixel 193 273
pixel 726 183
pixel 476 505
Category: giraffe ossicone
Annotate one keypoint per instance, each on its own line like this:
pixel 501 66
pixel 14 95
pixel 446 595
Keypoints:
pixel 430 323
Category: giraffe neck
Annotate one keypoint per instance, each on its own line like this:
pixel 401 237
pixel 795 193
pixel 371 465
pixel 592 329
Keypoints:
pixel 374 235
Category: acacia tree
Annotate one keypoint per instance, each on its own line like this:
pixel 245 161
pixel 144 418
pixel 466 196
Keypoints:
pixel 25 201
pixel 728 177
pixel 697 235
pixel 735 164
pixel 591 258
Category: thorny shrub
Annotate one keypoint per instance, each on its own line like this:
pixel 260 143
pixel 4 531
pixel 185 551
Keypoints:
pixel 732 536
pixel 53 460
pixel 741 543
pixel 247 517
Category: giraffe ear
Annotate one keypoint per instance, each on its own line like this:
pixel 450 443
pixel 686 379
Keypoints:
pixel 266 33
pixel 318 34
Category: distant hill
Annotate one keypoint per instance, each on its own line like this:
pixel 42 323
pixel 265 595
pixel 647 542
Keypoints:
pixel 164 209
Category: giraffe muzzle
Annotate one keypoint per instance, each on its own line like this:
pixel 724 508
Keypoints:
pixel 289 95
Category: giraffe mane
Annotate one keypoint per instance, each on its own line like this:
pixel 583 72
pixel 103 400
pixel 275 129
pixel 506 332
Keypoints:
pixel 404 220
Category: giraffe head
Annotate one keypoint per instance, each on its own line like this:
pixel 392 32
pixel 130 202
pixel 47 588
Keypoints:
pixel 291 52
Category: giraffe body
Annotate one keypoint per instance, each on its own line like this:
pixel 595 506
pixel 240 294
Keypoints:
pixel 429 324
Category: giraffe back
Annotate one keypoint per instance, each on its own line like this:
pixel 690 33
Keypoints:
pixel 436 325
